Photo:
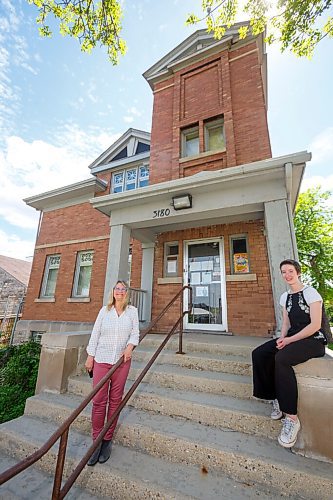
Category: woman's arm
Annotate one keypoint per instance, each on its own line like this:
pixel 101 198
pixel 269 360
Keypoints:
pixel 134 335
pixel 285 323
pixel 310 329
pixel 95 334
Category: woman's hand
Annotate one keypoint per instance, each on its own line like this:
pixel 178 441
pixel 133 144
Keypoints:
pixel 282 342
pixel 128 352
pixel 89 363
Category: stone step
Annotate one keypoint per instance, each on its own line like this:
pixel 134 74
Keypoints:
pixel 249 416
pixel 179 378
pixel 129 474
pixel 247 458
pixel 34 484
pixel 228 363
pixel 208 343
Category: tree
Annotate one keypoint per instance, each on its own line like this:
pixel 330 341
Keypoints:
pixel 295 24
pixel 92 22
pixel 314 234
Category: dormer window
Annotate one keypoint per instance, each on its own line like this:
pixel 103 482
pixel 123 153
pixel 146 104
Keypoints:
pixel 131 178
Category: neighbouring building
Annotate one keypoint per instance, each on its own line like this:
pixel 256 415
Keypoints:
pixel 200 200
pixel 14 278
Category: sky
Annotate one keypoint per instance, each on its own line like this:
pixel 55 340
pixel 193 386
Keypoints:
pixel 61 108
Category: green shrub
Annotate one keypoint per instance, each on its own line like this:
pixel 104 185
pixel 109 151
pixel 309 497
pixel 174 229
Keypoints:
pixel 18 376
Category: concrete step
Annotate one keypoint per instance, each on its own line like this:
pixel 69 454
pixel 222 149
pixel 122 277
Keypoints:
pixel 129 474
pixel 249 416
pixel 247 458
pixel 228 363
pixel 180 378
pixel 208 343
pixel 34 484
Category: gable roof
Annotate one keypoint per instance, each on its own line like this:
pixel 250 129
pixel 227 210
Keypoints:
pixel 126 148
pixel 195 47
pixel 19 269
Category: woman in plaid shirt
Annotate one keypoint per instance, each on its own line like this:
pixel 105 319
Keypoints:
pixel 115 333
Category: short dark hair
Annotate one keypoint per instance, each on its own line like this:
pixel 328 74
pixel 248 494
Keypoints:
pixel 293 263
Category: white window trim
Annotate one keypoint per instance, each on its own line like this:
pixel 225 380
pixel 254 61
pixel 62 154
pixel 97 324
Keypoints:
pixel 46 275
pixel 78 266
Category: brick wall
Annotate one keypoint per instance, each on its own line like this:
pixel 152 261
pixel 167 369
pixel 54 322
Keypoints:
pixel 228 84
pixel 60 230
pixel 249 303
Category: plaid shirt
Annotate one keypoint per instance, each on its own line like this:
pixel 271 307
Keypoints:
pixel 112 333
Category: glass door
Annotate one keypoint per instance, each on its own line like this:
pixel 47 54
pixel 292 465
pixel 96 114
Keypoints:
pixel 204 271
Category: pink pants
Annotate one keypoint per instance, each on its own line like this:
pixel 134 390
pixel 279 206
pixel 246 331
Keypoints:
pixel 109 395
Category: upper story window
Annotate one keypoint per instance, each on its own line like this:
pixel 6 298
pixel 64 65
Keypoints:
pixel 214 135
pixel 129 179
pixel 50 276
pixel 82 277
pixel 190 141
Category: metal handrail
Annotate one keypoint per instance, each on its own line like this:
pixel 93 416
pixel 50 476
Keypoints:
pixel 62 432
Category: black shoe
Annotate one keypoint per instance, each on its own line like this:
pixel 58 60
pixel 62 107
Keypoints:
pixel 94 457
pixel 105 451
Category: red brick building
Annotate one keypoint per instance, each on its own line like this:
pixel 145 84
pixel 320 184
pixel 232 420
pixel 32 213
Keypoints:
pixel 198 201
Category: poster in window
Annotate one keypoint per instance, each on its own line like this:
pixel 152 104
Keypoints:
pixel 206 277
pixel 241 263
pixel 172 266
pixel 195 279
pixel 201 291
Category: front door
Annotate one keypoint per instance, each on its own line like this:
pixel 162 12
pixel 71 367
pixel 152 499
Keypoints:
pixel 204 271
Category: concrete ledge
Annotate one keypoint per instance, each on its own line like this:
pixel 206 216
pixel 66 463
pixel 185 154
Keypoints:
pixel 63 355
pixel 315 408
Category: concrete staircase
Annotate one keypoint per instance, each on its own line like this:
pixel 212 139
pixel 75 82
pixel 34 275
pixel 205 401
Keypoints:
pixel 192 430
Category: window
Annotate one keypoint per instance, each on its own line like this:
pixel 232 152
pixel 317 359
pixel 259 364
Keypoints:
pixel 129 179
pixel 117 182
pixel 214 135
pixel 50 275
pixel 171 251
pixel 84 262
pixel 36 336
pixel 239 254
pixel 190 141
pixel 143 176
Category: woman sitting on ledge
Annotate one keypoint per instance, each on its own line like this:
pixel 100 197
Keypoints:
pixel 301 339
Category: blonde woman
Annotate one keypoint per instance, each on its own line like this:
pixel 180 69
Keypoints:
pixel 115 333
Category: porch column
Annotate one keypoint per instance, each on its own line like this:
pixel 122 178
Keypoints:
pixel 281 244
pixel 147 271
pixel 117 264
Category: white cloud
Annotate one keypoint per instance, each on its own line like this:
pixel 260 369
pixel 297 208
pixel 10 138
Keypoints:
pixel 128 119
pixel 326 184
pixel 13 245
pixel 30 168
pixel 322 147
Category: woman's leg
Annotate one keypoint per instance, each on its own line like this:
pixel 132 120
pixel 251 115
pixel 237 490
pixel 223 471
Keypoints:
pixel 263 360
pixel 118 381
pixel 100 399
pixel 285 379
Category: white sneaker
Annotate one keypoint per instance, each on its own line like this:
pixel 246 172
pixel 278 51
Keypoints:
pixel 276 412
pixel 288 434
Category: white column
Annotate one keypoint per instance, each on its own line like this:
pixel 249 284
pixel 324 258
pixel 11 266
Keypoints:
pixel 280 245
pixel 147 271
pixel 117 264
